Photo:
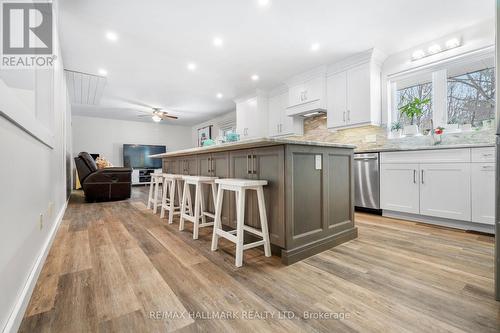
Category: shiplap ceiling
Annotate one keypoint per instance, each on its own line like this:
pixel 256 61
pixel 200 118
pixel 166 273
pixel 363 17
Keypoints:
pixel 147 65
pixel 84 89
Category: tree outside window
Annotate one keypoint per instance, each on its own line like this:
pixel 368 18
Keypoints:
pixel 471 97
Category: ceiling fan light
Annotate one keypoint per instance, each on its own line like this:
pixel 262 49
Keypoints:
pixel 156 118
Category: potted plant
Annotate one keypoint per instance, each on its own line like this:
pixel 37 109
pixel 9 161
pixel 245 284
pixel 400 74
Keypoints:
pixel 397 129
pixel 413 110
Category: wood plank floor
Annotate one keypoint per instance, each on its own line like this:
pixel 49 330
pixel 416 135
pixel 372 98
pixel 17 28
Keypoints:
pixel 116 267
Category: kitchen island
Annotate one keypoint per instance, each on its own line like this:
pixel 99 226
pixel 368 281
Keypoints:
pixel 310 192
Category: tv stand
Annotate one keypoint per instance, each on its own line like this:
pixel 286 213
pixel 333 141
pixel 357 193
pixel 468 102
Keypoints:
pixel 143 176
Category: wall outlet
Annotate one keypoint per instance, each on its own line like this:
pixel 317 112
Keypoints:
pixel 40 222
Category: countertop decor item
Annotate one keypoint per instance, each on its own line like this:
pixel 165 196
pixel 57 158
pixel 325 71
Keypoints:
pixel 397 129
pixel 208 142
pixel 232 137
pixel 413 110
pixel 204 133
pixel 436 135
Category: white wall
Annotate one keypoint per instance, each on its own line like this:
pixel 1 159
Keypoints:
pixel 107 136
pixel 216 124
pixel 32 177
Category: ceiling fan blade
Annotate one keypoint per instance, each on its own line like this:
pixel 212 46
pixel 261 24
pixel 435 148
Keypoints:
pixel 169 116
pixel 144 116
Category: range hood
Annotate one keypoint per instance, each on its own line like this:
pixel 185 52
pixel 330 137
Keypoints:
pixel 308 109
pixel 307 93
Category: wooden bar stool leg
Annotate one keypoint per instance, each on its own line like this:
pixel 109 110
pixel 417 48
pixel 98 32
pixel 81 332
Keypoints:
pixel 240 221
pixel 150 197
pixel 197 204
pixel 172 202
pixel 157 186
pixel 202 204
pixel 185 194
pixel 214 194
pixel 189 201
pixel 263 221
pixel 217 222
pixel 163 200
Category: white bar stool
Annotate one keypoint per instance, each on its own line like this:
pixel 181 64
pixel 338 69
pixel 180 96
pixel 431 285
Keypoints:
pixel 199 203
pixel 171 185
pixel 154 187
pixel 239 187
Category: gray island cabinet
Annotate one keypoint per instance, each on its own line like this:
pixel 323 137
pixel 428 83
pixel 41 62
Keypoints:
pixel 309 197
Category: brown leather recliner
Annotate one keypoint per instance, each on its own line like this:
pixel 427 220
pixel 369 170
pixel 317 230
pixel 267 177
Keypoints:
pixel 102 184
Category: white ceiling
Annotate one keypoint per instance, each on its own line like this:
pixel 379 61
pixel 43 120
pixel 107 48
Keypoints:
pixel 157 39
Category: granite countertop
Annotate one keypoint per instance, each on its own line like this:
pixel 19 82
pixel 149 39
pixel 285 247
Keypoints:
pixel 251 143
pixel 426 147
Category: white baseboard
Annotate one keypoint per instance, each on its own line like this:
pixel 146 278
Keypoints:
pixel 17 313
pixel 463 225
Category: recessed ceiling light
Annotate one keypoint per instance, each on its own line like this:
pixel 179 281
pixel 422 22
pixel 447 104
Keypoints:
pixel 102 72
pixel 255 77
pixel 315 47
pixel 219 95
pixel 452 43
pixel 435 48
pixel 191 66
pixel 263 3
pixel 112 36
pixel 218 41
pixel 418 54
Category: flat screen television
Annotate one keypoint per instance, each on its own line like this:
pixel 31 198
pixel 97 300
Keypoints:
pixel 137 156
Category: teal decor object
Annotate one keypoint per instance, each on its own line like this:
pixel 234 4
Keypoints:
pixel 208 142
pixel 231 137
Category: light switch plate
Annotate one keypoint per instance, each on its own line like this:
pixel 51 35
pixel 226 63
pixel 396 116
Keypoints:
pixel 318 162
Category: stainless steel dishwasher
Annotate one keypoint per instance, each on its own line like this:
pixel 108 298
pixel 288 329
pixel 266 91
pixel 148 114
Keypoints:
pixel 367 181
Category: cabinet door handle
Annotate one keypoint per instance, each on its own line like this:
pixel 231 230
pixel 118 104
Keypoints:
pixel 249 171
pixel 208 165
pixel 343 117
pixel 254 165
pixel 422 175
pixel 414 176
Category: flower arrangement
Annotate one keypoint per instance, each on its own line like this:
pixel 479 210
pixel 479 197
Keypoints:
pixel 436 134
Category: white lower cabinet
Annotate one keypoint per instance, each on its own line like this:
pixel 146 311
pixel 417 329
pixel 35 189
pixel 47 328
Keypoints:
pixel 452 184
pixel 399 190
pixel 483 192
pixel 445 190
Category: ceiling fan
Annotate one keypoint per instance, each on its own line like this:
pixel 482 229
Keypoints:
pixel 158 115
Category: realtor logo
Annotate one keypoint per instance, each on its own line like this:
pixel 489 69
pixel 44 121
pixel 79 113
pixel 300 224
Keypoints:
pixel 27 34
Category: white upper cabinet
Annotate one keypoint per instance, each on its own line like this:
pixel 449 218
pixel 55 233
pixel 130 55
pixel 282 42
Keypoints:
pixel 279 123
pixel 251 116
pixel 353 91
pixel 307 93
pixel 337 99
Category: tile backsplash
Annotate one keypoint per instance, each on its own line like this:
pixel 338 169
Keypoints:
pixel 373 137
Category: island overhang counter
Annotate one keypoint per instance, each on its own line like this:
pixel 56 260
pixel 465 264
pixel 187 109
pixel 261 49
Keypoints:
pixel 309 197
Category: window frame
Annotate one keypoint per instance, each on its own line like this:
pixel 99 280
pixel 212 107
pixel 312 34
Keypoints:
pixel 439 80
